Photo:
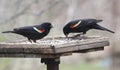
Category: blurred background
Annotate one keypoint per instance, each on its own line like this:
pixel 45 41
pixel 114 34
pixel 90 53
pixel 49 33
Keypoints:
pixel 19 13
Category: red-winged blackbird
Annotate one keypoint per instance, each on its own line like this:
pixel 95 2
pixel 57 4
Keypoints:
pixel 33 33
pixel 83 25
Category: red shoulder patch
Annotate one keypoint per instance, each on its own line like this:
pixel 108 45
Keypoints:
pixel 72 26
pixel 42 30
pixel 39 30
pixel 75 25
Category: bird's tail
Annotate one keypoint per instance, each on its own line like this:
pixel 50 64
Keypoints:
pixel 8 32
pixel 102 28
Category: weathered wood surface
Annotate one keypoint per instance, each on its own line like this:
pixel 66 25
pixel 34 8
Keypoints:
pixel 49 48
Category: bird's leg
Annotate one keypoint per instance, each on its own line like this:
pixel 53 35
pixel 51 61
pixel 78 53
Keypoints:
pixel 29 40
pixel 67 36
pixel 34 41
pixel 81 35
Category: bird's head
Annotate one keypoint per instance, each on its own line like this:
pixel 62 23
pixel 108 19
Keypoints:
pixel 47 25
pixel 66 30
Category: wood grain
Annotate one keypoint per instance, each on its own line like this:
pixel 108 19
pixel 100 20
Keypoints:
pixel 52 50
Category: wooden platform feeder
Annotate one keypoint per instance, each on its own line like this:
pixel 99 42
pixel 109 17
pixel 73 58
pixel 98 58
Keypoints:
pixel 50 50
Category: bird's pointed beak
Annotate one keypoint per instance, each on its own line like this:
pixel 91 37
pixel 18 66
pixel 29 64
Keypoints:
pixel 51 26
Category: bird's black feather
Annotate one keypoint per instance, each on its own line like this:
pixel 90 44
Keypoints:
pixel 32 32
pixel 83 25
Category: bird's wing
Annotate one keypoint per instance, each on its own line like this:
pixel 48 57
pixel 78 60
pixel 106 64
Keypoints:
pixel 29 30
pixel 89 22
pixel 24 30
pixel 39 30
pixel 75 23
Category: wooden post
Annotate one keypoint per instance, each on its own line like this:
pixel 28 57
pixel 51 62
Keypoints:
pixel 52 63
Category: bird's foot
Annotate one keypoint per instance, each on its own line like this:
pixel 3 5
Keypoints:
pixel 82 37
pixel 79 36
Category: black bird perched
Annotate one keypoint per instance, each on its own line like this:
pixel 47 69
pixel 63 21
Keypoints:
pixel 83 25
pixel 33 33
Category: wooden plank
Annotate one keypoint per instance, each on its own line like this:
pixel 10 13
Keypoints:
pixel 82 47
pixel 49 48
pixel 90 50
pixel 24 55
